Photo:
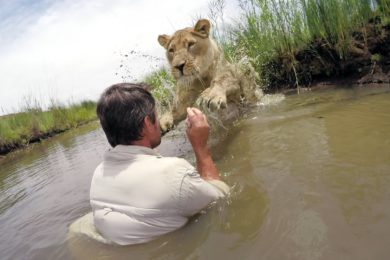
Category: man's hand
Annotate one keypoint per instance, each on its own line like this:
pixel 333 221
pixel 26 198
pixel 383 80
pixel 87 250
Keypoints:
pixel 198 134
pixel 197 128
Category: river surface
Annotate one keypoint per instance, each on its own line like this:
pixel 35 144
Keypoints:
pixel 310 177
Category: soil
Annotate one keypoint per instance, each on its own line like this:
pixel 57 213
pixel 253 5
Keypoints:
pixel 366 63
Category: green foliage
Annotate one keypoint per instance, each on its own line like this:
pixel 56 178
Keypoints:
pixel 384 7
pixel 163 85
pixel 376 57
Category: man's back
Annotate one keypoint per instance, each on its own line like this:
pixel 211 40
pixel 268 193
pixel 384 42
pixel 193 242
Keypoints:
pixel 137 195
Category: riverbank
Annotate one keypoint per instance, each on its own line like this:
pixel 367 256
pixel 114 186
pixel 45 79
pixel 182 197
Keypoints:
pixel 34 124
pixel 300 43
pixel 318 65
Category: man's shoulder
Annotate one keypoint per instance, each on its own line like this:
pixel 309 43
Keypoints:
pixel 177 161
pixel 177 164
pixel 99 168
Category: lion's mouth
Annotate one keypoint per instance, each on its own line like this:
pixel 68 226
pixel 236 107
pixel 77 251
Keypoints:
pixel 187 78
pixel 185 75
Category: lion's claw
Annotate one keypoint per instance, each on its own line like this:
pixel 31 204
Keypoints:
pixel 212 100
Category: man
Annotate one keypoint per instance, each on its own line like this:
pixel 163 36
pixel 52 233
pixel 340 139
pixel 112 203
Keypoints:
pixel 136 194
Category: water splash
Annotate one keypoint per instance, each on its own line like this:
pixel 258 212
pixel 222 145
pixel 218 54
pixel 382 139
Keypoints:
pixel 269 99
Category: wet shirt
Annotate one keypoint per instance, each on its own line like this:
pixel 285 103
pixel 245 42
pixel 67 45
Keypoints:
pixel 137 195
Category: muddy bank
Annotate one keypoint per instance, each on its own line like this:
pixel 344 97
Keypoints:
pixel 36 138
pixel 366 62
pixel 9 147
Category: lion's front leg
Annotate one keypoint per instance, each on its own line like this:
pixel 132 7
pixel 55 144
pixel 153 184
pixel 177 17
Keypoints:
pixel 222 90
pixel 172 118
pixel 213 98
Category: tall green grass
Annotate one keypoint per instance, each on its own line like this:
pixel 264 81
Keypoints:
pixel 34 123
pixel 163 88
pixel 277 29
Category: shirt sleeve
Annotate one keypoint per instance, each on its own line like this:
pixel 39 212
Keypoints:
pixel 195 193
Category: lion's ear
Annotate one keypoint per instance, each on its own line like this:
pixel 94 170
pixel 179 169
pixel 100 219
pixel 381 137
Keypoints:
pixel 164 40
pixel 202 28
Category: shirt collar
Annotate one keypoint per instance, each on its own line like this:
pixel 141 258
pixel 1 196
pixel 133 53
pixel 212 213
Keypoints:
pixel 134 149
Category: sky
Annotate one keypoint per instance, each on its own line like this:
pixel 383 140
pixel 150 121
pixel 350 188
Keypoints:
pixel 71 50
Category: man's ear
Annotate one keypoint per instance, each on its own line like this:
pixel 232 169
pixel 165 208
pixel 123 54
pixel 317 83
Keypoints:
pixel 202 28
pixel 147 125
pixel 147 121
pixel 164 40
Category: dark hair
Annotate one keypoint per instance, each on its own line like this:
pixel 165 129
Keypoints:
pixel 122 109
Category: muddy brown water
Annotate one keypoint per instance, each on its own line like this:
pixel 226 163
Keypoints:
pixel 310 179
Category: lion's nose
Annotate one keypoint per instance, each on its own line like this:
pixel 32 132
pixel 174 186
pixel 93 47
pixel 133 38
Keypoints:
pixel 180 67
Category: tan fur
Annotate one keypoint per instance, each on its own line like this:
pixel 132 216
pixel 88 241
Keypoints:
pixel 203 75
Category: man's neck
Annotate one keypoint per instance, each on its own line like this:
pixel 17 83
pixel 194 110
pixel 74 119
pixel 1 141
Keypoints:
pixel 142 142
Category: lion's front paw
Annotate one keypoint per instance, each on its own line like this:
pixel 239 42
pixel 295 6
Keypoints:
pixel 166 123
pixel 212 99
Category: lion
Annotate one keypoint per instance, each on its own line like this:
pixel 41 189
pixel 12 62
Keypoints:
pixel 203 75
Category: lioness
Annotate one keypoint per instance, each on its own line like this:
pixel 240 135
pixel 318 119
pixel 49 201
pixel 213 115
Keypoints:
pixel 203 75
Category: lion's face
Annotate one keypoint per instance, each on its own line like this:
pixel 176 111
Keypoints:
pixel 188 52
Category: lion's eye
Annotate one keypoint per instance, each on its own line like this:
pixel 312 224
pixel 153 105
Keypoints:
pixel 190 44
pixel 171 50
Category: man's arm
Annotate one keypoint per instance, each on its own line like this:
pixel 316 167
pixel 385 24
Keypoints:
pixel 198 133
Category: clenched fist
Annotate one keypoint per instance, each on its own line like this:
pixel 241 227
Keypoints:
pixel 197 128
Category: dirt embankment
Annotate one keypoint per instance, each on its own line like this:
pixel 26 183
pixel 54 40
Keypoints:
pixel 366 62
pixel 9 147
pixel 37 137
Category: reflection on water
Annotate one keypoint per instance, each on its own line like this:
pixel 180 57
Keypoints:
pixel 309 177
pixel 42 189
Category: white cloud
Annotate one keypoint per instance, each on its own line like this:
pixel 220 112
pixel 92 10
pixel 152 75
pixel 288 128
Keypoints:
pixel 73 49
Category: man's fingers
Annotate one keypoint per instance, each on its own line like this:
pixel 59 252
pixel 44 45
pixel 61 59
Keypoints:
pixel 188 123
pixel 190 112
pixel 196 111
pixel 195 117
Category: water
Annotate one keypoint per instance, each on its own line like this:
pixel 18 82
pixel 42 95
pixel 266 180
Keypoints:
pixel 310 177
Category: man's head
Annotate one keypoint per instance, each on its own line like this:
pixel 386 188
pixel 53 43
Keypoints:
pixel 127 114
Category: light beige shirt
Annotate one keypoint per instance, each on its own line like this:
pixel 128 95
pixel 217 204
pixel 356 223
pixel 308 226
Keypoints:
pixel 137 195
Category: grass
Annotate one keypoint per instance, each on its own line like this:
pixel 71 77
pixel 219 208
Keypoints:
pixel 163 88
pixel 33 122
